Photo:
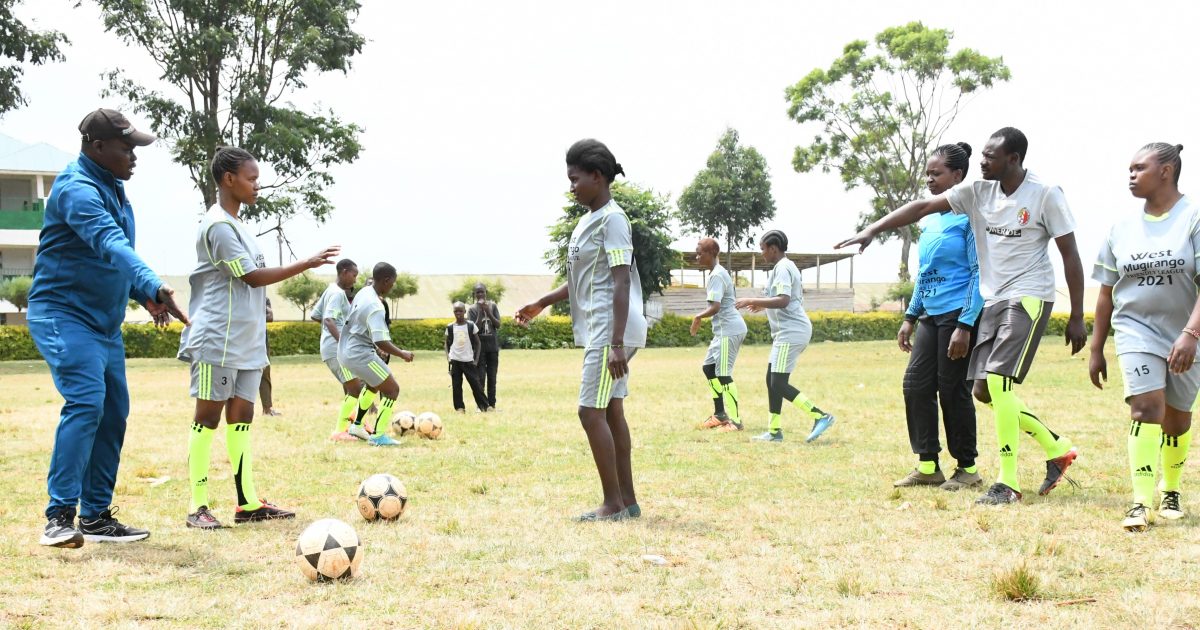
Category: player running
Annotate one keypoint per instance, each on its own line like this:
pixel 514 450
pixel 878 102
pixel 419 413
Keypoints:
pixel 332 310
pixel 729 330
pixel 1148 271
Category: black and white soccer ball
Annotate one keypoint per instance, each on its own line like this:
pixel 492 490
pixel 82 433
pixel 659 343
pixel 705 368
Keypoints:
pixel 429 425
pixel 404 423
pixel 381 497
pixel 329 550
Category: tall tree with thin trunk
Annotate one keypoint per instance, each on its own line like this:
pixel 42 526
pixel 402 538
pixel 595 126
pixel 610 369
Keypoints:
pixel 881 111
pixel 21 44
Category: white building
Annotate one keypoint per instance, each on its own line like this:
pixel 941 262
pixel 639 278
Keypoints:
pixel 27 172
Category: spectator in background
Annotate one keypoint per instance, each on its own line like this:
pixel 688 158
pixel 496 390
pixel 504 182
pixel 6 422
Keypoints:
pixel 264 386
pixel 486 317
pixel 462 353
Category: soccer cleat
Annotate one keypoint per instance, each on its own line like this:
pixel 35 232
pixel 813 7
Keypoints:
pixel 593 517
pixel 820 425
pixel 1137 519
pixel 60 530
pixel 268 512
pixel 342 436
pixel 712 422
pixel 962 479
pixel 918 478
pixel 999 494
pixel 106 528
pixel 1056 471
pixel 383 439
pixel 634 511
pixel 203 519
pixel 357 431
pixel 769 436
pixel 1168 505
pixel 730 427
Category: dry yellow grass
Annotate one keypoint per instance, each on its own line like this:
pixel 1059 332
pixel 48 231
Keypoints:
pixel 755 535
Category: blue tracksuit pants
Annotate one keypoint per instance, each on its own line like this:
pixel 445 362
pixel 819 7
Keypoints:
pixel 89 371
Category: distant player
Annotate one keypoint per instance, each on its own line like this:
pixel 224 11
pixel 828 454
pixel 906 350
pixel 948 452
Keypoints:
pixel 729 330
pixel 1014 215
pixel 332 310
pixel 226 341
pixel 364 338
pixel 791 331
pixel 1148 271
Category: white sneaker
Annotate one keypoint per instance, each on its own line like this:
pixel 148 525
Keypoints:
pixel 1168 506
pixel 359 432
pixel 1137 519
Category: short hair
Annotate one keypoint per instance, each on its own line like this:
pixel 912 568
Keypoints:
pixel 478 286
pixel 776 238
pixel 592 156
pixel 957 156
pixel 1013 141
pixel 345 264
pixel 710 245
pixel 383 271
pixel 458 304
pixel 1166 154
pixel 228 160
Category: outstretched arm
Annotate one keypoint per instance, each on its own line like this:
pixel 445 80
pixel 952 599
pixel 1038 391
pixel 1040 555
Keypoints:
pixel 907 214
pixel 271 275
pixel 529 311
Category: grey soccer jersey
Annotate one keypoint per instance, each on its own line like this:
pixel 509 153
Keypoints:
pixel 1151 265
pixel 728 321
pixel 336 306
pixel 1012 234
pixel 602 240
pixel 229 326
pixel 364 326
pixel 789 324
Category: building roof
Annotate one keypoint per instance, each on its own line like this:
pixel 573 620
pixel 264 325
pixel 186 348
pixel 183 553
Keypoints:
pixel 745 261
pixel 16 156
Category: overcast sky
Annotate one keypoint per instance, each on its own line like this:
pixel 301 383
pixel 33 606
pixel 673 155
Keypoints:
pixel 468 109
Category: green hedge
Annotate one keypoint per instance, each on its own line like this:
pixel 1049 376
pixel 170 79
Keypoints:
pixel 288 338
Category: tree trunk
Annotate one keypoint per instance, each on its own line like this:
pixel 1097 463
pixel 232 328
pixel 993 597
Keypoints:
pixel 728 250
pixel 905 245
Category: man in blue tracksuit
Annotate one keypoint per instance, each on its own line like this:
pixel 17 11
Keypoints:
pixel 86 272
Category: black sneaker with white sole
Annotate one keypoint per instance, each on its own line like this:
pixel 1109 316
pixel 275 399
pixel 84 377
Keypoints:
pixel 106 528
pixel 60 530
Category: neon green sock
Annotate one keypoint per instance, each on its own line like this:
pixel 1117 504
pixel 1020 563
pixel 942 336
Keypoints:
pixel 1053 444
pixel 199 452
pixel 384 419
pixel 730 395
pixel 802 403
pixel 1144 441
pixel 237 442
pixel 365 398
pixel 349 403
pixel 775 424
pixel 1174 454
pixel 926 468
pixel 714 388
pixel 1007 408
pixel 971 469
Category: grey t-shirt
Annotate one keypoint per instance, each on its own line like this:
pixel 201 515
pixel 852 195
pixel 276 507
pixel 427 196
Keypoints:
pixel 1012 235
pixel 365 325
pixel 727 322
pixel 336 306
pixel 228 327
pixel 1151 265
pixel 789 324
pixel 487 327
pixel 602 240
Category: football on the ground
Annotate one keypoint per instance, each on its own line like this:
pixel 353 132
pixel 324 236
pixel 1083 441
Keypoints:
pixel 381 496
pixel 429 426
pixel 329 550
pixel 404 423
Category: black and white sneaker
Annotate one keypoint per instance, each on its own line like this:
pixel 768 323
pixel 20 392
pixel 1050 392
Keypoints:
pixel 106 528
pixel 60 531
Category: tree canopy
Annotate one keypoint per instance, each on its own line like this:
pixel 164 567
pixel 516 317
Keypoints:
pixel 466 292
pixel 20 44
pixel 303 291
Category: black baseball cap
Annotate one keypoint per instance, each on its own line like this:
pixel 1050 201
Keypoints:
pixel 107 124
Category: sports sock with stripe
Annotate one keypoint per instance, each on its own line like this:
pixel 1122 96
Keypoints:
pixel 715 389
pixel 1053 444
pixel 775 424
pixel 199 452
pixel 384 419
pixel 1007 408
pixel 237 442
pixel 1144 441
pixel 730 396
pixel 344 413
pixel 365 398
pixel 1174 455
pixel 801 402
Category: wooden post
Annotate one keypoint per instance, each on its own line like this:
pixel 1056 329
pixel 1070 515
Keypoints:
pixel 818 272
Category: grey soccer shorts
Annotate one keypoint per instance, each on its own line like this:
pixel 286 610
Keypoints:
pixel 1009 332
pixel 1146 373
pixel 784 355
pixel 211 382
pixel 723 352
pixel 597 387
pixel 339 372
pixel 369 368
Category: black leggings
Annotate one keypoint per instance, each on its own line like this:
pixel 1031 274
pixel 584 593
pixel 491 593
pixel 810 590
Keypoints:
pixel 933 380
pixel 778 389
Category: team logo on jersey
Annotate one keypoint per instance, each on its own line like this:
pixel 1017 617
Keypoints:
pixel 1023 217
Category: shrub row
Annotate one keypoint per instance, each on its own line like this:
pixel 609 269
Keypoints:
pixel 288 338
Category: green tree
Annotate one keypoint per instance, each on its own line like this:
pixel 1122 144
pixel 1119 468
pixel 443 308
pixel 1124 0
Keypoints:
pixel 228 67
pixel 731 197
pixel 21 44
pixel 466 292
pixel 648 215
pixel 406 285
pixel 882 110
pixel 900 292
pixel 16 291
pixel 303 291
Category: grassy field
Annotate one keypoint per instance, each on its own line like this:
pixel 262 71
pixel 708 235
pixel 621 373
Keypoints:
pixel 756 535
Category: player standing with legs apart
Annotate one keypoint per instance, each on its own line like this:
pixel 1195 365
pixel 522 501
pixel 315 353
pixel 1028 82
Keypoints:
pixel 729 331
pixel 1014 215
pixel 226 341
pixel 791 331
pixel 946 303
pixel 364 338
pixel 606 314
pixel 1149 275
pixel 332 310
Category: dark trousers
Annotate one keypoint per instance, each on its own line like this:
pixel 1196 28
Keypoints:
pixel 932 378
pixel 459 370
pixel 489 362
pixel 264 389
